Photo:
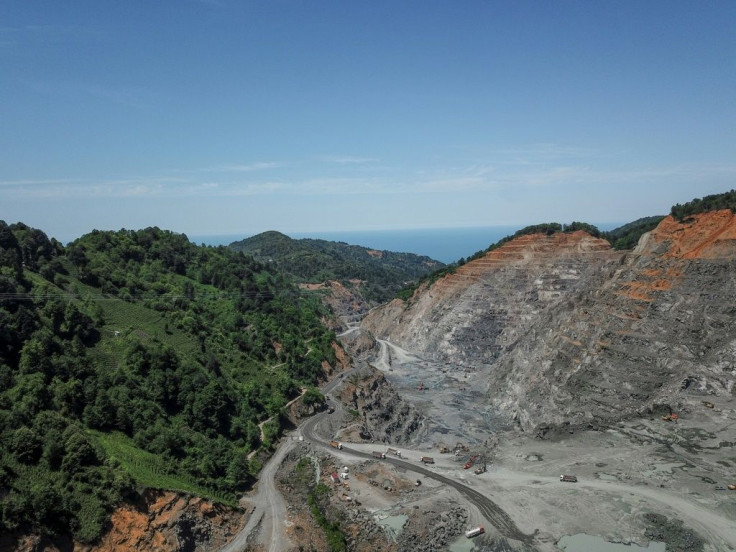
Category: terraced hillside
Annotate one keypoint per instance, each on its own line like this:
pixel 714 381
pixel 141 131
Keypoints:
pixel 577 333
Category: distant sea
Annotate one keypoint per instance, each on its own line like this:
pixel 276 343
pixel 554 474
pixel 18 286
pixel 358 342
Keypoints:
pixel 442 244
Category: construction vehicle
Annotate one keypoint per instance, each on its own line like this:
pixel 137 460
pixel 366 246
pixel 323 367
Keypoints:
pixel 334 477
pixel 379 454
pixel 731 487
pixel 394 452
pixel 421 386
pixel 474 532
pixel 708 404
pixel 427 460
pixel 569 478
pixel 444 449
pixel 336 445
pixel 670 417
pixel 469 463
pixel 481 467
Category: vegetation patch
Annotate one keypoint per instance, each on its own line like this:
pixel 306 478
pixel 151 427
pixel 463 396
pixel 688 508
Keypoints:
pixel 335 537
pixel 383 273
pixel 136 358
pixel 715 202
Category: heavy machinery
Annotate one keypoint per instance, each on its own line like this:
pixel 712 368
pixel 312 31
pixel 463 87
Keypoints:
pixel 475 532
pixel 427 460
pixel 469 463
pixel 336 445
pixel 569 478
pixel 670 417
pixel 379 454
pixel 481 467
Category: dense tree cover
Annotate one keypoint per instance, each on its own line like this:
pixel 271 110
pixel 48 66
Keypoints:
pixel 179 349
pixel 726 200
pixel 310 260
pixel 627 236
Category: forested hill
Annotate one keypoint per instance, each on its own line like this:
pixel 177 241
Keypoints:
pixel 135 358
pixel 311 260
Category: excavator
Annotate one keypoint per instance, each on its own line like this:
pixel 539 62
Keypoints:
pixel 469 463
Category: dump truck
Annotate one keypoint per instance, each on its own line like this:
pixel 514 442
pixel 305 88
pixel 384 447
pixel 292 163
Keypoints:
pixel 731 487
pixel 379 454
pixel 334 477
pixel 569 478
pixel 427 460
pixel 474 532
pixel 444 449
pixel 394 452
pixel 336 445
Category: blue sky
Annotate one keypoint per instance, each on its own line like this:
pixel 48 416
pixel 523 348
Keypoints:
pixel 226 117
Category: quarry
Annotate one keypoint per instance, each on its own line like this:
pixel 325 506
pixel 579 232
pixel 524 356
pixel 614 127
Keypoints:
pixel 554 395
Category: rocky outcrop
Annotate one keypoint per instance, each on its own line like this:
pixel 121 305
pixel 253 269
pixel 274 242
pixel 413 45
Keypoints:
pixel 168 521
pixel 160 520
pixel 575 333
pixel 344 299
pixel 380 412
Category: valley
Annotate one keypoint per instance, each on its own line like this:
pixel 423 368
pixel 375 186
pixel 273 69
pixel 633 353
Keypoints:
pixel 551 394
pixel 615 367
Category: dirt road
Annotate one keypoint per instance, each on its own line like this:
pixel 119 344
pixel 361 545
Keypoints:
pixel 269 506
pixel 269 509
pixel 489 509
pixel 716 528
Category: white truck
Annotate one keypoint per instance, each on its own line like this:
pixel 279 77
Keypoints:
pixel 474 532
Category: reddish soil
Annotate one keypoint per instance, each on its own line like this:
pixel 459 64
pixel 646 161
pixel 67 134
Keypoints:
pixel 709 235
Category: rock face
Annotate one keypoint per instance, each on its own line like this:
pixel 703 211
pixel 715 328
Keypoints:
pixel 382 415
pixel 345 300
pixel 576 333
pixel 482 309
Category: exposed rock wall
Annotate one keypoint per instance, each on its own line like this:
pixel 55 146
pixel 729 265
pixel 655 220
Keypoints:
pixel 578 334
pixel 480 311
pixel 383 415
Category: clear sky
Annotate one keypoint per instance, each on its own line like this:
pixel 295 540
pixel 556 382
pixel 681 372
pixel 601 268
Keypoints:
pixel 227 116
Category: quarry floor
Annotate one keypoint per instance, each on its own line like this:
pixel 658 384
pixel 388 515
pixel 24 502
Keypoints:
pixel 625 471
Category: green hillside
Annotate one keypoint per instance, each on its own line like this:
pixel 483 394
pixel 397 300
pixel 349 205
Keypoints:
pixel 136 359
pixel 310 260
pixel 627 236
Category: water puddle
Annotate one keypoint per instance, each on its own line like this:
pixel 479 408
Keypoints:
pixel 393 525
pixel 585 543
pixel 462 544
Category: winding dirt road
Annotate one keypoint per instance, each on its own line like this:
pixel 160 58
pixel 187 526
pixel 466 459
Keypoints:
pixel 489 509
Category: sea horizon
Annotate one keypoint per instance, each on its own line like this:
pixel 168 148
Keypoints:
pixel 447 245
